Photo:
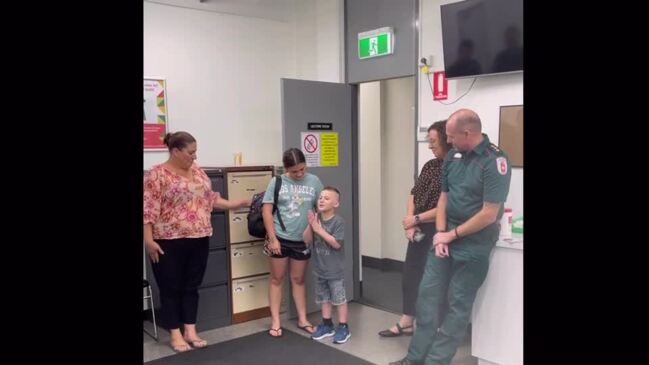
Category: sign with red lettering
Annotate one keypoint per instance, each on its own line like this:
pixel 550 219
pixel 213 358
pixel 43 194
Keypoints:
pixel 440 86
pixel 156 122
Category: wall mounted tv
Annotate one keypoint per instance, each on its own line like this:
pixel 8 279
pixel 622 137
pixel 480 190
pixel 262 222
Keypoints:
pixel 482 37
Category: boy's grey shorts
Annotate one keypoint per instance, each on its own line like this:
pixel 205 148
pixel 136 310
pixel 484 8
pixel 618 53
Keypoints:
pixel 332 291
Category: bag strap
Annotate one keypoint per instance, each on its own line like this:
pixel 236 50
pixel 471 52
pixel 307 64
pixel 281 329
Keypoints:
pixel 278 185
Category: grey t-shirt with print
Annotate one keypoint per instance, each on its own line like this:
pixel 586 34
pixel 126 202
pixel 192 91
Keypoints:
pixel 328 261
pixel 296 198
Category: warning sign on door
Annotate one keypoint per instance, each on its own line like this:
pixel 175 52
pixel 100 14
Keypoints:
pixel 320 149
pixel 329 148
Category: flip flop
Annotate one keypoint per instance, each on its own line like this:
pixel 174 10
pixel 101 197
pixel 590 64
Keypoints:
pixel 278 331
pixel 304 328
pixel 400 332
pixel 197 344
pixel 181 348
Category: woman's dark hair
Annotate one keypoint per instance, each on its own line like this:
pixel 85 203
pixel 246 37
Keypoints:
pixel 440 128
pixel 178 140
pixel 292 157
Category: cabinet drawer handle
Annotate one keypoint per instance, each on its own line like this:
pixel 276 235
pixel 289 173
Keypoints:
pixel 268 174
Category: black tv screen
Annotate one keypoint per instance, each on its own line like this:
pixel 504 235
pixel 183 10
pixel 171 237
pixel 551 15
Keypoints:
pixel 482 37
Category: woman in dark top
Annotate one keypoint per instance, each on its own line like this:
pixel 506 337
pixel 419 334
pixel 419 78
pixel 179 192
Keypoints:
pixel 419 226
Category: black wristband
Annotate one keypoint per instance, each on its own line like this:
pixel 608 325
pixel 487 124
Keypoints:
pixel 457 235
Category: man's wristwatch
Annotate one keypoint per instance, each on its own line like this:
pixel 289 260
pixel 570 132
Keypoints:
pixel 417 220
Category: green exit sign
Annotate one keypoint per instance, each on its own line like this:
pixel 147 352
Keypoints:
pixel 374 43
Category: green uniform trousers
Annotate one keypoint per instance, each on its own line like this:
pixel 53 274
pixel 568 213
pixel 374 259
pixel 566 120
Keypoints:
pixel 445 300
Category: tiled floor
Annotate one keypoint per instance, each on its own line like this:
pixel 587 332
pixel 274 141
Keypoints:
pixel 364 322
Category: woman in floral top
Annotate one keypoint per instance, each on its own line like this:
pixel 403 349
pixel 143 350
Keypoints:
pixel 419 226
pixel 178 201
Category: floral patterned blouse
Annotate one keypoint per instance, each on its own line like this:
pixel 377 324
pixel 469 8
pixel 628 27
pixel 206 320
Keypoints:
pixel 428 186
pixel 176 206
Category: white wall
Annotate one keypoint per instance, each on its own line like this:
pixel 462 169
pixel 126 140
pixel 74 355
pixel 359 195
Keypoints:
pixel 369 165
pixel 386 130
pixel 397 161
pixel 318 40
pixel 485 98
pixel 223 73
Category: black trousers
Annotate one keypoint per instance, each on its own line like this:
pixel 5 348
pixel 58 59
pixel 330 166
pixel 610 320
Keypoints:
pixel 413 267
pixel 179 272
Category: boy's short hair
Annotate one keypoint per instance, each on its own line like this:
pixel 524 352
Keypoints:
pixel 331 188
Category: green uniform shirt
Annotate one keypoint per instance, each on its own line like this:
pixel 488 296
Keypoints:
pixel 472 178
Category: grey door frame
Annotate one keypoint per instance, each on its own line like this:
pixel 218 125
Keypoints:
pixel 295 117
pixel 416 15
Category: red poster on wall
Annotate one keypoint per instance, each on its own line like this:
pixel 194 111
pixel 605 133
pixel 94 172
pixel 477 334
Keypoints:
pixel 440 86
pixel 156 123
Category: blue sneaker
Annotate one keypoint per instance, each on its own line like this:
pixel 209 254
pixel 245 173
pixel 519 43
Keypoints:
pixel 322 331
pixel 342 334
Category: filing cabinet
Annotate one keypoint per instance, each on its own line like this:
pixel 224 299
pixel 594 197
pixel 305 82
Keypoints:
pixel 249 267
pixel 247 259
pixel 243 185
pixel 250 294
pixel 238 222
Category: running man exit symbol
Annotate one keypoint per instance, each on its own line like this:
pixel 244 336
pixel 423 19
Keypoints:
pixel 374 46
pixel 375 43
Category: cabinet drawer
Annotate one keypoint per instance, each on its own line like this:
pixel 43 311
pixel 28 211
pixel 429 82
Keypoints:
pixel 247 259
pixel 243 185
pixel 249 294
pixel 218 184
pixel 238 227
pixel 217 268
pixel 213 307
pixel 218 239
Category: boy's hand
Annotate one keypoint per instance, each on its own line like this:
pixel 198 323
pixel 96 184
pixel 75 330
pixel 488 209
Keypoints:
pixel 311 217
pixel 315 225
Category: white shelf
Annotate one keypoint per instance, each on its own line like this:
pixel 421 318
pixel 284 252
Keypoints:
pixel 516 242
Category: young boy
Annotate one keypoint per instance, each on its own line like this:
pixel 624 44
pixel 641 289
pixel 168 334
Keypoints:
pixel 326 232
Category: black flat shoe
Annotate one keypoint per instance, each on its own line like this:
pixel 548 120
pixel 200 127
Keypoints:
pixel 400 332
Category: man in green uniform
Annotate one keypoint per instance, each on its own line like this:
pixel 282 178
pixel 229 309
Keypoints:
pixel 475 182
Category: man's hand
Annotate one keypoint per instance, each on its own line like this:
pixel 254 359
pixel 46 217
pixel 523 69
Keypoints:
pixel 443 237
pixel 441 250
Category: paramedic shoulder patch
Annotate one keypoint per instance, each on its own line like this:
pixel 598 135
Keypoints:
pixel 495 148
pixel 501 164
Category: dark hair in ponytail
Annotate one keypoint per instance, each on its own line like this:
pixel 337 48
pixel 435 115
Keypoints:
pixel 178 140
pixel 292 157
